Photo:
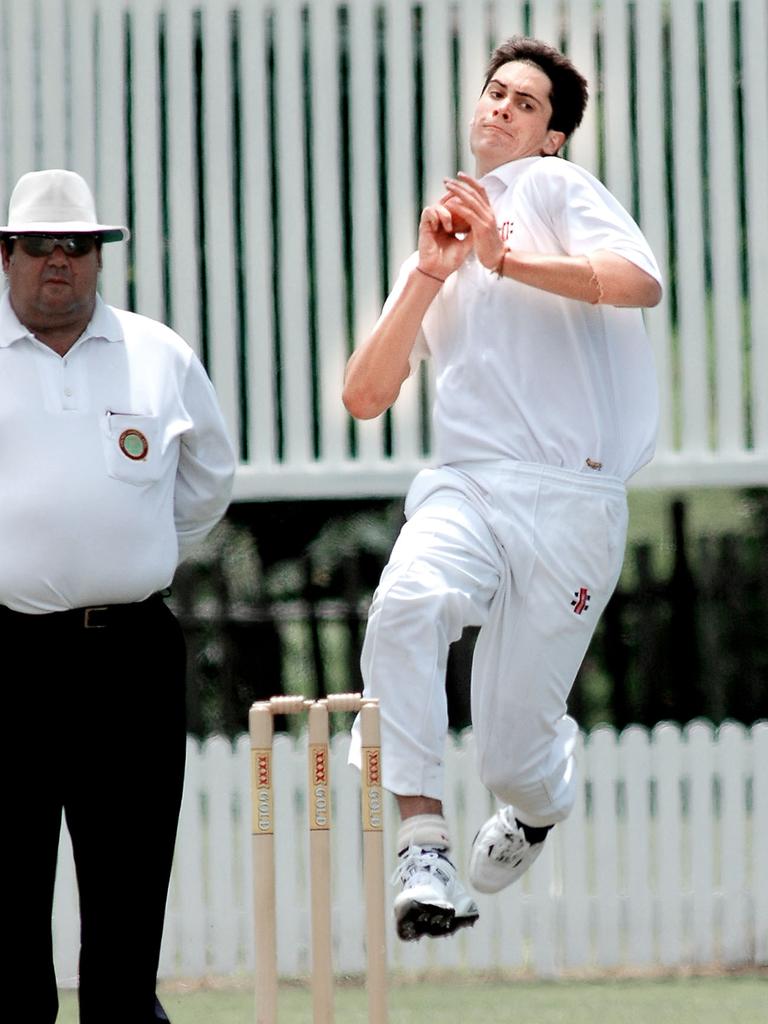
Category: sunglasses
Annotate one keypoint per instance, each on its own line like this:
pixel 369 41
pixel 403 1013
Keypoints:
pixel 43 245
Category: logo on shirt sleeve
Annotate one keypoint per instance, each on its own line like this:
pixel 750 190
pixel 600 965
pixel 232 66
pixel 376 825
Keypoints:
pixel 133 444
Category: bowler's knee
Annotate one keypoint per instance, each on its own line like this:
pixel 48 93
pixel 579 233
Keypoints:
pixel 533 786
pixel 416 598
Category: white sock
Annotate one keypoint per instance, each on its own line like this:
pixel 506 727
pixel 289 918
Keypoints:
pixel 424 830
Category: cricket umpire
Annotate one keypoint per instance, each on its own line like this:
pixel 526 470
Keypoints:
pixel 114 461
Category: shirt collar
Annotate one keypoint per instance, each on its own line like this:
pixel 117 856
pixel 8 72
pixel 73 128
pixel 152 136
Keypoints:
pixel 497 181
pixel 103 325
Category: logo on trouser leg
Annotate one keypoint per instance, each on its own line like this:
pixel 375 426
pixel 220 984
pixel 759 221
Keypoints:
pixel 580 601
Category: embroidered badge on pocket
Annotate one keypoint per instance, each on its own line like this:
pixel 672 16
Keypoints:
pixel 133 444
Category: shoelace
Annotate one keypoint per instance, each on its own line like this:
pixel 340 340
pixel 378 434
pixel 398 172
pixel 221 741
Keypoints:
pixel 415 863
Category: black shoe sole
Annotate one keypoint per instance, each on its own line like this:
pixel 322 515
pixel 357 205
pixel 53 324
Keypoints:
pixel 467 921
pixel 424 919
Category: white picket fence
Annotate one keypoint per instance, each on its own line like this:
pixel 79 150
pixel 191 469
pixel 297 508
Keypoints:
pixel 271 158
pixel 663 864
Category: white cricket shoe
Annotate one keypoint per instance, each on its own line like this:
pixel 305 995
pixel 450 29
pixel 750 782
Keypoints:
pixel 433 901
pixel 500 853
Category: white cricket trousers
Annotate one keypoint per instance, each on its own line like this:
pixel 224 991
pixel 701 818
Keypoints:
pixel 529 553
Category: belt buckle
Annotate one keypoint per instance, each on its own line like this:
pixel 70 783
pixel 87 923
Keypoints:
pixel 88 612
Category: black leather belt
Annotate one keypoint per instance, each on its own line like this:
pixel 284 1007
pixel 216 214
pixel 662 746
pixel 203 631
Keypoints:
pixel 93 617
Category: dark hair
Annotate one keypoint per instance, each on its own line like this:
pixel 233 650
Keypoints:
pixel 569 87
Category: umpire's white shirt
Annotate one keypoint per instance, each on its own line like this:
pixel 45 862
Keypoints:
pixel 83 520
pixel 525 375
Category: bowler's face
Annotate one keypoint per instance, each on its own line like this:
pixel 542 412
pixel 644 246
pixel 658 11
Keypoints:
pixel 50 293
pixel 512 117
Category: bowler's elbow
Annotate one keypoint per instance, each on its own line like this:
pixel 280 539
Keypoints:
pixel 641 292
pixel 367 395
pixel 653 293
pixel 624 283
pixel 366 403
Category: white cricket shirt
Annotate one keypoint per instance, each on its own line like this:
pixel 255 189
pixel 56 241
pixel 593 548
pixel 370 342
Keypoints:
pixel 112 458
pixel 526 375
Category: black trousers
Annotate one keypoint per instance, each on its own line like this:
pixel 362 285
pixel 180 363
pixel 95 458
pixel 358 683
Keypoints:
pixel 94 727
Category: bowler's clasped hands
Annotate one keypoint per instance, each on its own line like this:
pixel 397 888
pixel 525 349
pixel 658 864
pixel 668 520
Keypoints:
pixel 461 220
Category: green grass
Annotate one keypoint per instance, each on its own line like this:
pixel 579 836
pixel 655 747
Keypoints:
pixel 732 999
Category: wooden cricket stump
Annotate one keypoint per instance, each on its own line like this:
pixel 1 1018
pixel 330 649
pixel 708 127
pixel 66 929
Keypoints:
pixel 261 725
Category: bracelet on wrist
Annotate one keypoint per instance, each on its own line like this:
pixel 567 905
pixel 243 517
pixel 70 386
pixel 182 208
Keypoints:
pixel 433 276
pixel 498 270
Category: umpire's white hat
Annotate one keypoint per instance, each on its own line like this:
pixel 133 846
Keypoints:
pixel 56 202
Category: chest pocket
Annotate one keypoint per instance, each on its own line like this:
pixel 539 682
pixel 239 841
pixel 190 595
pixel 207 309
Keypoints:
pixel 131 447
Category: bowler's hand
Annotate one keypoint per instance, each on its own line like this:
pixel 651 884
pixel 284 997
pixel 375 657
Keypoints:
pixel 440 251
pixel 471 201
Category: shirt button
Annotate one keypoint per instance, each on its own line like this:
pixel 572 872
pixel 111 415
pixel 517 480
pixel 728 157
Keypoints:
pixel 68 392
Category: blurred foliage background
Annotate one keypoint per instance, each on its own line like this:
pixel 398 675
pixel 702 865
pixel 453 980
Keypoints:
pixel 276 602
